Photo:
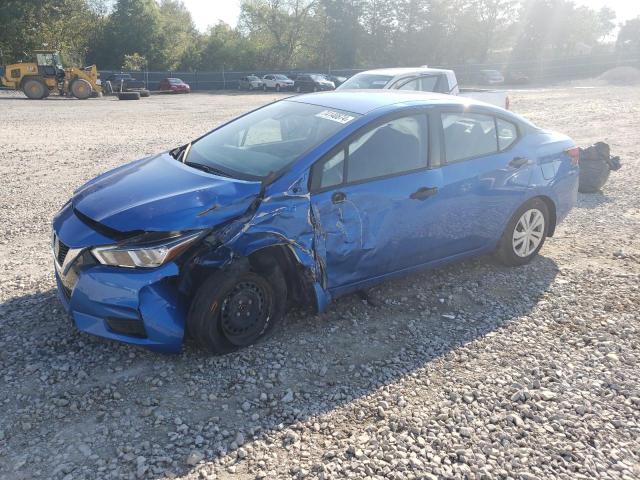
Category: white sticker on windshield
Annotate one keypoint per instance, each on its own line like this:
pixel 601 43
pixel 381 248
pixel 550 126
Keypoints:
pixel 335 116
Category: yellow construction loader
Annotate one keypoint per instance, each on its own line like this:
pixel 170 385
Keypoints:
pixel 45 75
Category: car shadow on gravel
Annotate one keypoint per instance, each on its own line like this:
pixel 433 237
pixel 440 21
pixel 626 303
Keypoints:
pixel 65 388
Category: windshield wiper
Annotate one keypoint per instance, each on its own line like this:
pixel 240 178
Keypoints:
pixel 208 169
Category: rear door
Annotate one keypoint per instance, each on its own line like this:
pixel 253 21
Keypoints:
pixel 373 199
pixel 485 177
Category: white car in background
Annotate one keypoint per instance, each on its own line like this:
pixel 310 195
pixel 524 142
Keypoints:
pixel 277 82
pixel 423 79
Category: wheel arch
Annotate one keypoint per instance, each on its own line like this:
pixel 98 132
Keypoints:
pixel 26 78
pixel 551 206
pixel 299 279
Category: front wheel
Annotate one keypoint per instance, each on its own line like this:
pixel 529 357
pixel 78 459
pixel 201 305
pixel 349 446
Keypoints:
pixel 233 310
pixel 525 233
pixel 81 89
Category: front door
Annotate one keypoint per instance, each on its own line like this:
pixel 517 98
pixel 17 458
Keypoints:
pixel 373 201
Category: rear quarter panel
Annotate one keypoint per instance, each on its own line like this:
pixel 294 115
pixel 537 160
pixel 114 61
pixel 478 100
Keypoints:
pixel 553 174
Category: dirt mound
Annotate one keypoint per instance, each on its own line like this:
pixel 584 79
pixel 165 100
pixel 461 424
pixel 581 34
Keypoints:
pixel 621 76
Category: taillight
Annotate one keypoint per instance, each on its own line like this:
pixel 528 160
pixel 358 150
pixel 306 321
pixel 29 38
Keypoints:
pixel 507 103
pixel 574 153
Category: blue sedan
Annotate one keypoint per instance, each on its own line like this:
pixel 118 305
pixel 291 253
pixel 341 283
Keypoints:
pixel 300 202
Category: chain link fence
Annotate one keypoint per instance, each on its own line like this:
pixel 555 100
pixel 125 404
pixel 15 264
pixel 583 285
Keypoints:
pixel 536 72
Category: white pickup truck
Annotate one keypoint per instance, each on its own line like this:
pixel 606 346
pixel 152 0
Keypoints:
pixel 424 79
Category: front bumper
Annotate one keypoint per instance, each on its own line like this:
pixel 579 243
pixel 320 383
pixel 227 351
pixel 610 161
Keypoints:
pixel 137 306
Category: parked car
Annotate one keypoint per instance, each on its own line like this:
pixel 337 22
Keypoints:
pixel 277 82
pixel 516 78
pixel 173 85
pixel 312 82
pixel 490 77
pixel 335 79
pixel 424 79
pixel 125 82
pixel 250 82
pixel 302 201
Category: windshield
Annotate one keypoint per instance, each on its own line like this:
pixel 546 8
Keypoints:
pixel 281 77
pixel 252 78
pixel 175 80
pixel 366 80
pixel 267 140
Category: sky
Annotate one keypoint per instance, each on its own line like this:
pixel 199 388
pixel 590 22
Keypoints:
pixel 210 12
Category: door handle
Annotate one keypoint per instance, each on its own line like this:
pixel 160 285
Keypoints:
pixel 338 197
pixel 424 192
pixel 518 162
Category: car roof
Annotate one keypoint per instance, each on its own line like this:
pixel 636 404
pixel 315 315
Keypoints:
pixel 394 72
pixel 365 101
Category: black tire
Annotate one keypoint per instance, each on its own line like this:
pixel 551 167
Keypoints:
pixel 107 87
pixel 506 252
pixel 216 321
pixel 81 89
pixel 129 96
pixel 35 89
pixel 277 87
pixel 593 175
pixel 145 93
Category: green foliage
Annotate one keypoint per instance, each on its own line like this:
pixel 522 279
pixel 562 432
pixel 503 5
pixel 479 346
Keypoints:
pixel 629 37
pixel 306 34
pixel 134 62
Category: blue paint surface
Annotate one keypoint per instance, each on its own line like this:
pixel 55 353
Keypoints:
pixel 380 231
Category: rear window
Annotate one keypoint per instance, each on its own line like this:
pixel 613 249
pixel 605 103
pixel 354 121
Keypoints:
pixel 468 135
pixel 366 81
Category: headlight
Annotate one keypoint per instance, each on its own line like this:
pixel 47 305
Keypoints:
pixel 145 255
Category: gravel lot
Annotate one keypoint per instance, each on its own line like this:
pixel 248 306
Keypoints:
pixel 470 371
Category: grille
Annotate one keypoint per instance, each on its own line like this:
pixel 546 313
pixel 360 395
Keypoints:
pixel 62 252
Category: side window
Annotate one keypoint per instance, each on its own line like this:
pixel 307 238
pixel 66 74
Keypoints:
pixel 429 83
pixel 507 134
pixel 468 135
pixel 329 172
pixel 396 146
pixel 410 85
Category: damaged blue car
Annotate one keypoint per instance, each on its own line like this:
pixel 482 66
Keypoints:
pixel 299 202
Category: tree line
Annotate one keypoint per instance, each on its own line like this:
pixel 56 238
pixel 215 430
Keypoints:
pixel 304 34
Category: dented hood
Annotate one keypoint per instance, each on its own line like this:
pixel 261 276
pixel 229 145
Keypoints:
pixel 161 194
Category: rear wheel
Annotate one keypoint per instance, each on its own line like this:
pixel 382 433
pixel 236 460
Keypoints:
pixel 277 87
pixel 233 310
pixel 35 89
pixel 525 233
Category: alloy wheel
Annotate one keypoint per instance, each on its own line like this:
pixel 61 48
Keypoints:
pixel 528 233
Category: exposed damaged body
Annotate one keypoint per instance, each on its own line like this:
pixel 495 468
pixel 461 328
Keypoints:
pixel 302 201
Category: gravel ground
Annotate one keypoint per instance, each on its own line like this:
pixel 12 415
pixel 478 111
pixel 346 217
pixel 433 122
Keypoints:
pixel 469 371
